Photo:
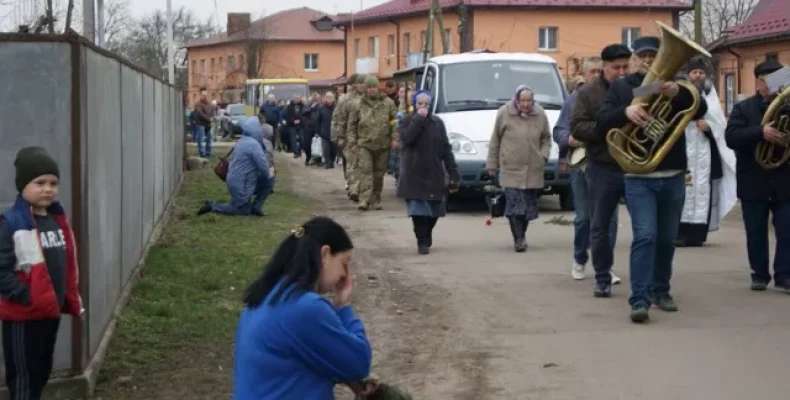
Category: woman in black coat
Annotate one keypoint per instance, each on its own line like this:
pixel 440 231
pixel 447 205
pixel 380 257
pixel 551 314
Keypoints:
pixel 426 161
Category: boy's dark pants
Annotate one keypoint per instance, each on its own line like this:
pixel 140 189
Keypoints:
pixel 28 348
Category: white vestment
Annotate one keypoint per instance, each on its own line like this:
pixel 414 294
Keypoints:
pixel 705 197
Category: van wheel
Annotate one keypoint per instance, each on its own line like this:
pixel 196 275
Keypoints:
pixel 566 200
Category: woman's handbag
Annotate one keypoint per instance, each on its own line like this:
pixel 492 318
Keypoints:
pixel 496 200
pixel 221 169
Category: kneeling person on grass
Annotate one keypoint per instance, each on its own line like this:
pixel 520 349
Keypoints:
pixel 250 175
pixel 38 274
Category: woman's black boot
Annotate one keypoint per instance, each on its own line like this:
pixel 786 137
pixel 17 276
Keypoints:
pixel 517 229
pixel 420 232
pixel 429 231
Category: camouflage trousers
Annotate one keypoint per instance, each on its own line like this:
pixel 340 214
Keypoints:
pixel 371 168
pixel 350 166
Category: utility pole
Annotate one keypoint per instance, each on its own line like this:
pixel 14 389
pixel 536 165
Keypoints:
pixel 171 57
pixel 89 20
pixel 440 20
pixel 100 23
pixel 427 47
pixel 698 21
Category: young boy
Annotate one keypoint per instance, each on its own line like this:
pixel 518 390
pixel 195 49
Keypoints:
pixel 38 274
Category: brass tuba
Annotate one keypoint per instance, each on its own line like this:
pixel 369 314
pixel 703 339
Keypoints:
pixel 639 150
pixel 778 112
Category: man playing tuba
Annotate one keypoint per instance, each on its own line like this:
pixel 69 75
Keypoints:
pixel 761 191
pixel 654 199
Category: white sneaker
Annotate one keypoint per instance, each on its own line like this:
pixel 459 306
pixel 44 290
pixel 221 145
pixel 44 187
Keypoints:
pixel 615 279
pixel 577 271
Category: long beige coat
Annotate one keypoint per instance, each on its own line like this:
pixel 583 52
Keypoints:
pixel 519 147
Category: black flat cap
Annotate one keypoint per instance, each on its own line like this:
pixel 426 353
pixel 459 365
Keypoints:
pixel 767 67
pixel 696 63
pixel 646 43
pixel 615 51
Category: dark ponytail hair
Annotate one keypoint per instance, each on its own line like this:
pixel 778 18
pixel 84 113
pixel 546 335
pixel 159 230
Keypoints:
pixel 297 260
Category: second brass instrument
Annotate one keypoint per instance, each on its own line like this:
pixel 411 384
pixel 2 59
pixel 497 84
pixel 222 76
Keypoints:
pixel 640 150
pixel 778 112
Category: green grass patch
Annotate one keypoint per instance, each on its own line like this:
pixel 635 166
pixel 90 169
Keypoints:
pixel 182 314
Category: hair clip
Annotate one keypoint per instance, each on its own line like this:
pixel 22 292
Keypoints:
pixel 298 232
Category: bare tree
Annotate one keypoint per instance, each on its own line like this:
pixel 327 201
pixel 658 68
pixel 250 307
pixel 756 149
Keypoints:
pixel 255 38
pixel 717 17
pixel 146 44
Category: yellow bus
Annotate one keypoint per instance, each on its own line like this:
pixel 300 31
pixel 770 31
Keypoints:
pixel 258 89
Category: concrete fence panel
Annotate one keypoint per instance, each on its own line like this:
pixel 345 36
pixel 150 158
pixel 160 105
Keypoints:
pixel 118 136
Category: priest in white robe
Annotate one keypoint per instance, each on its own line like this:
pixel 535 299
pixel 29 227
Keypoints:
pixel 711 193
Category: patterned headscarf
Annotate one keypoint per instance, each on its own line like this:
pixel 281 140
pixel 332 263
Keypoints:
pixel 417 94
pixel 516 97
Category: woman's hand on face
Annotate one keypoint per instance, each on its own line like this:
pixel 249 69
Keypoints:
pixel 343 291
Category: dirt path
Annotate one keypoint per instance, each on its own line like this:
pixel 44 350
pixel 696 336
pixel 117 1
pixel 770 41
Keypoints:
pixel 474 320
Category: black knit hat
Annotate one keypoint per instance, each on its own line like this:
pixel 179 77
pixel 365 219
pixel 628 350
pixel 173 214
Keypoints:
pixel 32 162
pixel 697 63
pixel 767 67
pixel 615 52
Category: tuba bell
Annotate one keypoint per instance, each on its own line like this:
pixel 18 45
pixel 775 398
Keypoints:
pixel 639 150
pixel 778 112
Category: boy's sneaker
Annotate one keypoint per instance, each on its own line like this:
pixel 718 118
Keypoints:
pixel 603 290
pixel 666 303
pixel 639 313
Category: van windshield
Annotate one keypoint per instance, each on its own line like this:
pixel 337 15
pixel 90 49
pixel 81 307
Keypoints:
pixel 484 85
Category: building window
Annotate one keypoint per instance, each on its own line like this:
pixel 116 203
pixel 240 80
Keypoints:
pixel 772 56
pixel 373 46
pixel 729 92
pixel 221 63
pixel 241 61
pixel 231 63
pixel 547 38
pixel 629 35
pixel 391 45
pixel 311 62
pixel 213 66
pixel 407 43
pixel 448 36
pixel 423 41
pixel 203 66
pixel 356 48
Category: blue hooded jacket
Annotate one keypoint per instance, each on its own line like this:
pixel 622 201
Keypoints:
pixel 248 160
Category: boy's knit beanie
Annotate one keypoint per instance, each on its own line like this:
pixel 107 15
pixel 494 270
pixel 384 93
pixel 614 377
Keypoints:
pixel 32 162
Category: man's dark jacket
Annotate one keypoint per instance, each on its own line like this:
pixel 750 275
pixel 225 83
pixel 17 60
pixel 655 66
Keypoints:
pixel 324 121
pixel 589 100
pixel 293 112
pixel 744 131
pixel 271 113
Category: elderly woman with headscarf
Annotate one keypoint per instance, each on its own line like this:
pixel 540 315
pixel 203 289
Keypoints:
pixel 250 176
pixel 426 161
pixel 517 154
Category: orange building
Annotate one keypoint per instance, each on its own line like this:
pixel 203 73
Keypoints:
pixel 765 34
pixel 391 36
pixel 297 43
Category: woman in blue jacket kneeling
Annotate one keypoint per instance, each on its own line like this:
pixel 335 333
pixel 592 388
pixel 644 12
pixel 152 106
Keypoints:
pixel 250 175
pixel 291 342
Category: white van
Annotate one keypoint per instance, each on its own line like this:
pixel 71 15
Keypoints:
pixel 469 88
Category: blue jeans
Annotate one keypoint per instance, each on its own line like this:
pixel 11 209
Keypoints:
pixel 583 207
pixel 295 135
pixel 605 188
pixel 655 205
pixel 247 205
pixel 203 134
pixel 755 221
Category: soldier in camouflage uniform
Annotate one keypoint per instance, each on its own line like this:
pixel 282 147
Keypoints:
pixel 371 134
pixel 340 135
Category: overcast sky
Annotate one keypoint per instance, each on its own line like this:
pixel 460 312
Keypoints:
pixel 206 8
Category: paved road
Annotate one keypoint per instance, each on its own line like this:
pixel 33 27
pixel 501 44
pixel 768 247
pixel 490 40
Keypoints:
pixel 474 320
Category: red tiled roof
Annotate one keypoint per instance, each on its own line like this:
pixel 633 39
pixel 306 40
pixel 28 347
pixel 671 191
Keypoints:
pixel 402 7
pixel 769 18
pixel 289 25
